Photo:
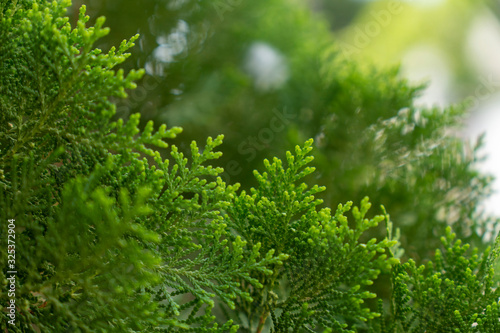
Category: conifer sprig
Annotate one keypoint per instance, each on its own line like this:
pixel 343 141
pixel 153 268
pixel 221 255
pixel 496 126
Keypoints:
pixel 328 266
pixel 456 292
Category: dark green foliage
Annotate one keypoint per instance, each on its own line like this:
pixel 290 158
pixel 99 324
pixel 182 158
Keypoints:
pixel 111 236
pixel 97 251
pixel 80 259
pixel 197 256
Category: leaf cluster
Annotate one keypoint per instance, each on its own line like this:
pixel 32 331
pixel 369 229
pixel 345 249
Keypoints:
pixel 456 292
pixel 100 247
pixel 323 283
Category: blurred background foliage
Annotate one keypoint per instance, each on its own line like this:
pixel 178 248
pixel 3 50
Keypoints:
pixel 443 42
pixel 269 74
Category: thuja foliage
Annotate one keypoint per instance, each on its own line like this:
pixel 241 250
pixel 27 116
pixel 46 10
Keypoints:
pixel 98 248
pixel 329 266
pixel 456 292
pixel 113 237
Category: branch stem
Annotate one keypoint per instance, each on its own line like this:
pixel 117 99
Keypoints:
pixel 262 320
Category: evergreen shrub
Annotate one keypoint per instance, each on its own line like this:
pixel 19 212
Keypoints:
pixel 112 237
